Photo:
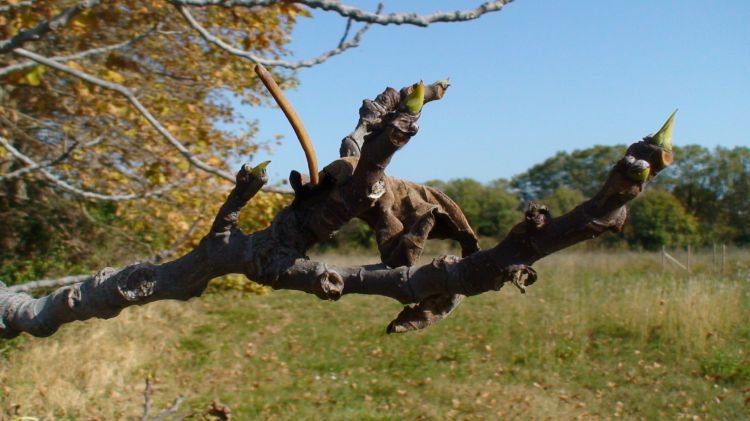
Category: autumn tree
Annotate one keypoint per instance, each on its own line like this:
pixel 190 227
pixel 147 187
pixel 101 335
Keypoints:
pixel 402 214
pixel 82 166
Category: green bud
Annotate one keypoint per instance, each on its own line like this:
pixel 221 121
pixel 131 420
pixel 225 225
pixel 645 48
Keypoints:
pixel 663 137
pixel 258 170
pixel 444 83
pixel 638 170
pixel 415 100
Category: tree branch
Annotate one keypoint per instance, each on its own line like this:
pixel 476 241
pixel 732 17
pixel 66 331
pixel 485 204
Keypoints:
pixel 130 97
pixel 75 190
pixel 350 187
pixel 360 15
pixel 78 56
pixel 35 33
pixel 45 164
pixel 19 5
pixel 294 120
pixel 74 279
pixel 296 64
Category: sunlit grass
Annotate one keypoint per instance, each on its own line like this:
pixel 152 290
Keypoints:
pixel 600 335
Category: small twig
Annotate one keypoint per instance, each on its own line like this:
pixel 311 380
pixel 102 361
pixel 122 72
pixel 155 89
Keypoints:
pixel 343 46
pixel 75 190
pixel 130 97
pixel 147 392
pixel 19 5
pixel 294 120
pixel 35 33
pixel 171 410
pixel 361 15
pixel 78 56
pixel 50 162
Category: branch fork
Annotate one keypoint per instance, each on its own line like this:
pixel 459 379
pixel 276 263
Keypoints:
pixel 403 215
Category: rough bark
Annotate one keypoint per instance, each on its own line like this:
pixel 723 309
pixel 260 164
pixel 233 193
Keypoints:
pixel 404 214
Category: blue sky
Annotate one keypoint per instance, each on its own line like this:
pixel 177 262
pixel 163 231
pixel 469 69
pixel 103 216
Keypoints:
pixel 536 78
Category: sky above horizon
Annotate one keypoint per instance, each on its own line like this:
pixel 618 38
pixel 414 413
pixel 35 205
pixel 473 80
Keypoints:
pixel 536 78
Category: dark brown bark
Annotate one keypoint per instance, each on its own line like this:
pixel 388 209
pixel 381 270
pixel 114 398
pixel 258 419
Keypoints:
pixel 403 214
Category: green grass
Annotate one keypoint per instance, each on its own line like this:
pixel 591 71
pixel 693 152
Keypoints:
pixel 599 336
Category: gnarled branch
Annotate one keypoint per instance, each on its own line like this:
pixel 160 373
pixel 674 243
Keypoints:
pixel 350 187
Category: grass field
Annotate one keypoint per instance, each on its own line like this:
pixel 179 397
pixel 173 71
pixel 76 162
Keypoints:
pixel 600 336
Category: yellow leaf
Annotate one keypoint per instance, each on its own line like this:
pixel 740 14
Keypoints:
pixel 34 76
pixel 74 65
pixel 183 165
pixel 113 76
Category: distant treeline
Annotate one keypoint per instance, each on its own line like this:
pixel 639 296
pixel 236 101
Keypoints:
pixel 703 198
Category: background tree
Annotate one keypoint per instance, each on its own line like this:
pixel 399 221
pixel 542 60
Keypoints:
pixel 102 168
pixel 580 170
pixel 658 219
pixel 712 186
pixel 563 199
pixel 492 208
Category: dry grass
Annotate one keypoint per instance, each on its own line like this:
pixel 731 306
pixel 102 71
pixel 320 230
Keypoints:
pixel 600 335
pixel 96 368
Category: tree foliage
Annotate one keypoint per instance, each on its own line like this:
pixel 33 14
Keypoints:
pixel 93 139
pixel 711 185
pixel 658 219
pixel 580 170
pixel 491 208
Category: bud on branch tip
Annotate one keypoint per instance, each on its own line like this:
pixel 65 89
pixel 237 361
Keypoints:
pixel 415 100
pixel 258 170
pixel 663 138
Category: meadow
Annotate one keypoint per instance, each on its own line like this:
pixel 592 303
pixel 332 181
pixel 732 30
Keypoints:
pixel 601 335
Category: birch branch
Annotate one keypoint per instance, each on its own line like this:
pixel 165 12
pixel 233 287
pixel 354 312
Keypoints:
pixel 77 56
pixel 34 166
pixel 76 190
pixel 16 6
pixel 58 21
pixel 296 64
pixel 361 15
pixel 130 97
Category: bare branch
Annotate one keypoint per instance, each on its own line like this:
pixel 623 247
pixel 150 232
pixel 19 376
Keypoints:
pixel 275 257
pixel 296 64
pixel 19 5
pixel 58 21
pixel 249 182
pixel 294 120
pixel 147 392
pixel 176 403
pixel 74 279
pixel 78 56
pixel 360 15
pixel 75 190
pixel 48 163
pixel 49 283
pixel 128 94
